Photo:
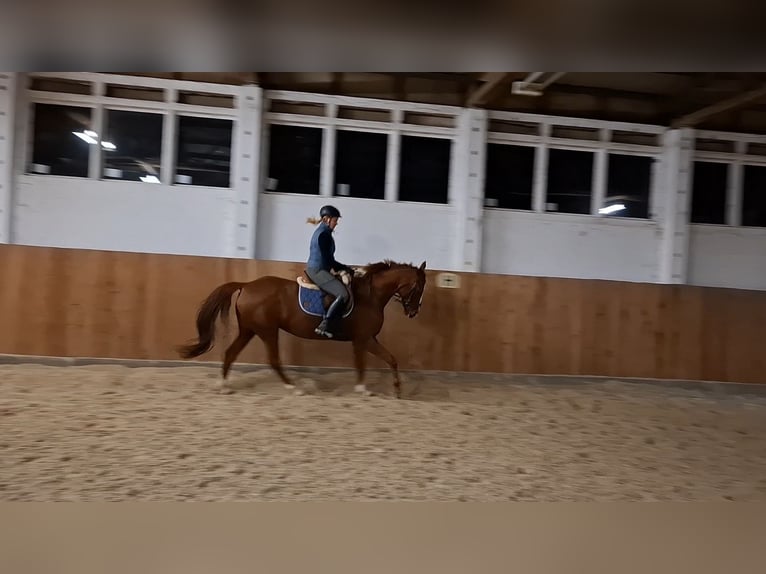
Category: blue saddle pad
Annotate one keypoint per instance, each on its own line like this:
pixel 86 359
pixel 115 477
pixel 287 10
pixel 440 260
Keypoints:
pixel 310 301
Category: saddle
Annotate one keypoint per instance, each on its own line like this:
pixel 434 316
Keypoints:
pixel 305 282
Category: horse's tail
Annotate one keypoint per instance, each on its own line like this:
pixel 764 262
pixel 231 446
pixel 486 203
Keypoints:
pixel 216 305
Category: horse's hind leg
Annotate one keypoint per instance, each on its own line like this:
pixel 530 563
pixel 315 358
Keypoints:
pixel 271 340
pixel 232 352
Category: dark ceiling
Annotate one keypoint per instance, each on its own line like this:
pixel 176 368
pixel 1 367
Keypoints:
pixel 727 101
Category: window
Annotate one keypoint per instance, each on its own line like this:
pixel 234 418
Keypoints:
pixel 709 182
pixel 360 164
pixel 628 184
pixel 62 138
pixel 204 151
pixel 295 157
pixel 754 196
pixel 132 146
pixel 509 174
pixel 424 169
pixel 570 179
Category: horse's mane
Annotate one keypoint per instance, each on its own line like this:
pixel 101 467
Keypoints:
pixel 365 274
pixel 373 268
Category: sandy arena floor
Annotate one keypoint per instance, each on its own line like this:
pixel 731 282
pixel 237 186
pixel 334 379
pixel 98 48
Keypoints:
pixel 114 433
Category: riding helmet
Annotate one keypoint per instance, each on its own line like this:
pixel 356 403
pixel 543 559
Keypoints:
pixel 330 211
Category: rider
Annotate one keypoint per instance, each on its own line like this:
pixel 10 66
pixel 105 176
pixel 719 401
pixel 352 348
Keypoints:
pixel 321 262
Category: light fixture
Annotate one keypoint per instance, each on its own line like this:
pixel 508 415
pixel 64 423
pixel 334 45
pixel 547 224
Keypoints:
pixel 90 137
pixel 86 137
pixel 525 89
pixel 611 208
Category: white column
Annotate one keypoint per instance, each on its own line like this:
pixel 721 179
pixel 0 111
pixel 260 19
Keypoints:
pixel 169 141
pixel 467 188
pixel 246 156
pixel 540 184
pixel 675 203
pixel 734 187
pixel 98 125
pixel 327 168
pixel 392 158
pixel 8 82
pixel 600 175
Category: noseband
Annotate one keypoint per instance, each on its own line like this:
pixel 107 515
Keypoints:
pixel 407 302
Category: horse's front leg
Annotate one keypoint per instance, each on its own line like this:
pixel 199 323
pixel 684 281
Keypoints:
pixel 360 359
pixel 380 351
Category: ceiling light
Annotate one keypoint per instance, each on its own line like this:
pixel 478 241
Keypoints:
pixel 521 88
pixel 611 208
pixel 85 137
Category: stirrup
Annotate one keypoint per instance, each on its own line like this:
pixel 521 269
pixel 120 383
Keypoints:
pixel 324 333
pixel 322 330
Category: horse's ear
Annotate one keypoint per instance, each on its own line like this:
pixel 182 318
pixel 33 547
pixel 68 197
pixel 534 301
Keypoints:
pixel 422 265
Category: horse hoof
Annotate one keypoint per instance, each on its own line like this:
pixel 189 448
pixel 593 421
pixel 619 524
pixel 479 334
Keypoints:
pixel 289 387
pixel 223 388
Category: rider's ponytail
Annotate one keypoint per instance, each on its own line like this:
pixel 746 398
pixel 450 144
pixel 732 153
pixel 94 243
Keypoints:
pixel 312 220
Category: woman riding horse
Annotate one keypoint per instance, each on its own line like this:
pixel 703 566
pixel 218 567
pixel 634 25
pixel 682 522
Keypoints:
pixel 321 263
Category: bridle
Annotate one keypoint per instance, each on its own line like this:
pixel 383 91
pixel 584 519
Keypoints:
pixel 406 301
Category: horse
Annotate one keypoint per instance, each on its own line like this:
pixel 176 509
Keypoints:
pixel 268 304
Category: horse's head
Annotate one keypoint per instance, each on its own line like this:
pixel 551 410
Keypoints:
pixel 410 290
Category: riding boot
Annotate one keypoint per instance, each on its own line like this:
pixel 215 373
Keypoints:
pixel 329 319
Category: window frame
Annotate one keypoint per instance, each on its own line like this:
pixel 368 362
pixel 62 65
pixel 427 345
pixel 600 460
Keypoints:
pixel 601 146
pixel 736 160
pixel 329 123
pixel 99 103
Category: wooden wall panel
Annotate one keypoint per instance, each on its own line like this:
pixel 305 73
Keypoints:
pixel 105 304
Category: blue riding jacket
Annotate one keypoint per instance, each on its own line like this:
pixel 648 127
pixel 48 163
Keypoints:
pixel 322 250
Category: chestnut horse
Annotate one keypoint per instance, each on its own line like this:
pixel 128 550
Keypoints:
pixel 269 303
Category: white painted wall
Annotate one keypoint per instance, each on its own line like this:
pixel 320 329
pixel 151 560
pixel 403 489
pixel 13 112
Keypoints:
pixel 370 230
pixel 723 256
pixel 561 245
pixel 123 216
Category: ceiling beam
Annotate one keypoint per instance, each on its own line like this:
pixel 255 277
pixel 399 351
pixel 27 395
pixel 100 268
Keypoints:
pixel 732 103
pixel 440 76
pixel 337 83
pixel 482 94
pixel 562 87
pixel 399 86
